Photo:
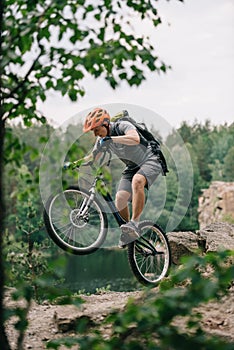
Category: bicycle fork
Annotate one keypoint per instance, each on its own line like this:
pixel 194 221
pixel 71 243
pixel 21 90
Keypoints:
pixel 86 204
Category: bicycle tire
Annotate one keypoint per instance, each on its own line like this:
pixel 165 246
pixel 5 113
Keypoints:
pixel 73 233
pixel 149 256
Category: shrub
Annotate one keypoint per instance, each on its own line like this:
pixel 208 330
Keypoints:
pixel 151 323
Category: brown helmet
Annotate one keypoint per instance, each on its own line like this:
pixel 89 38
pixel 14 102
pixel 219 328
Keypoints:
pixel 96 118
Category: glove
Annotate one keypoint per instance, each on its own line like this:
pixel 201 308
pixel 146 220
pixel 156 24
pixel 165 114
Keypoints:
pixel 73 165
pixel 105 141
pixel 67 165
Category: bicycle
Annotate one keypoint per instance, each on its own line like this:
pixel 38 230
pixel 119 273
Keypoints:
pixel 76 221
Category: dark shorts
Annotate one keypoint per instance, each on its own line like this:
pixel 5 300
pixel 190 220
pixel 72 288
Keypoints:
pixel 149 169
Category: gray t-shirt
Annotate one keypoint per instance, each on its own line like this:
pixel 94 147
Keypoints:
pixel 133 155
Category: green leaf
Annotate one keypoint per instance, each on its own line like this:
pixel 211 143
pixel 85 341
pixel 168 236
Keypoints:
pixel 112 81
pixel 117 27
pixel 101 34
pixel 89 8
pixel 24 43
pixel 49 84
pixel 123 76
pixel 97 16
pixel 163 68
pixel 43 33
pixel 34 154
pixel 77 74
pixel 156 22
pixel 72 93
pixel 27 121
pixel 140 41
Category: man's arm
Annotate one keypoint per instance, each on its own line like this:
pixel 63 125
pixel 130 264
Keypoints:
pixel 131 138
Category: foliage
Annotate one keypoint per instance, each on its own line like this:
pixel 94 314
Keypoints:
pixel 228 165
pixel 27 263
pixel 151 323
pixel 26 249
pixel 52 45
pixel 212 157
pixel 24 292
pixel 22 185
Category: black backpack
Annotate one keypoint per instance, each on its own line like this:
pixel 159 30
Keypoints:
pixel 146 137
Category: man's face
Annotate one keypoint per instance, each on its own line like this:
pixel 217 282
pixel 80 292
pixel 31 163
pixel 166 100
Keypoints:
pixel 100 131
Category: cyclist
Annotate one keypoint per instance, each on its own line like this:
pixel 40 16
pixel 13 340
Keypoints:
pixel 141 166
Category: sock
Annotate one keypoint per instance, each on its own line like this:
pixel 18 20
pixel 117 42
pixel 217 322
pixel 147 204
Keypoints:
pixel 136 223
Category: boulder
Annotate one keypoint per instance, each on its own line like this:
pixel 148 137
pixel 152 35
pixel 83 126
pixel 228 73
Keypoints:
pixel 216 204
pixel 212 238
pixel 217 236
pixel 182 244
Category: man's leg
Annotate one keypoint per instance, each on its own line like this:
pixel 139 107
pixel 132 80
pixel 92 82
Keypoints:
pixel 138 196
pixel 146 175
pixel 130 231
pixel 121 201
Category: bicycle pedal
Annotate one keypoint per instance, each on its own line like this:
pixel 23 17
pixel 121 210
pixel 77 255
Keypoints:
pixel 122 245
pixel 128 237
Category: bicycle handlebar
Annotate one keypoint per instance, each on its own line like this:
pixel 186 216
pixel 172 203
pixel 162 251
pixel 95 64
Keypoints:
pixel 76 165
pixel 73 165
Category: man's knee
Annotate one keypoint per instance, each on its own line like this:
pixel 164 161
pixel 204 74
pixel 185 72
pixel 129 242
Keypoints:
pixel 122 196
pixel 138 182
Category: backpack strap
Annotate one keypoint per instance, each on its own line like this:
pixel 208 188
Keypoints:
pixel 116 130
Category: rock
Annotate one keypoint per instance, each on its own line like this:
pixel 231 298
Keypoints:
pixel 217 236
pixel 88 316
pixel 182 244
pixel 71 324
pixel 212 238
pixel 216 204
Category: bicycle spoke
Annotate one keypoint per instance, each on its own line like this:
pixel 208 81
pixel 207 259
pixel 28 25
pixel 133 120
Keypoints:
pixel 149 256
pixel 72 224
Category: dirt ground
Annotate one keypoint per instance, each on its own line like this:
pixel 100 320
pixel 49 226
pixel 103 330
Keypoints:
pixel 47 322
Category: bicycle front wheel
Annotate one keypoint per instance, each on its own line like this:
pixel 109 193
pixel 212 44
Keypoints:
pixel 149 256
pixel 75 221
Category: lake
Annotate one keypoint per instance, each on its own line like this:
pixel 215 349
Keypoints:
pixel 105 268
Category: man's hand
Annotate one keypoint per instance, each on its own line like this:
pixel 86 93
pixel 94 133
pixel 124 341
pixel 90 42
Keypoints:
pixel 105 142
pixel 67 165
pixel 73 165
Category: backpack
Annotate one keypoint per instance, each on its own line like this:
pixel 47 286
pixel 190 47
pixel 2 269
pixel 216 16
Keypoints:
pixel 146 137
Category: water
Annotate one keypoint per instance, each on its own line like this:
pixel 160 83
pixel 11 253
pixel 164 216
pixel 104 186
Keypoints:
pixel 105 268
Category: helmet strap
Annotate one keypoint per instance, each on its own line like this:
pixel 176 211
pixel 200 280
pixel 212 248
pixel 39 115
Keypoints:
pixel 107 128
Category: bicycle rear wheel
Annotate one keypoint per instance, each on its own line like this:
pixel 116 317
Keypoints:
pixel 149 256
pixel 75 223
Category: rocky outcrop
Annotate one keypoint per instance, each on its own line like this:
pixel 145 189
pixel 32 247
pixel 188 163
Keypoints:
pixel 216 203
pixel 217 236
pixel 214 237
pixel 182 244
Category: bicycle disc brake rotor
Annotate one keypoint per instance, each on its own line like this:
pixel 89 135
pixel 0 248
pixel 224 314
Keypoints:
pixel 77 219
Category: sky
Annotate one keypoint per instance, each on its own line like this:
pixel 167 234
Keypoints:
pixel 196 39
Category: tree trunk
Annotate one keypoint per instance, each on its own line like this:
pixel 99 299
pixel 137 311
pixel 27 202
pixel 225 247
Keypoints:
pixel 3 337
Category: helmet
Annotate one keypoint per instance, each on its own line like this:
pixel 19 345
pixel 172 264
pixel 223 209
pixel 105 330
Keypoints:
pixel 97 117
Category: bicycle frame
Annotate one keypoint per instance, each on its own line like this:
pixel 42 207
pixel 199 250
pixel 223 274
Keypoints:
pixel 106 196
pixel 109 200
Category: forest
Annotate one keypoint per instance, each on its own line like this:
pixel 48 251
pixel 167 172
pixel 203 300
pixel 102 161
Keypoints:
pixel 31 259
pixel 51 46
pixel 211 152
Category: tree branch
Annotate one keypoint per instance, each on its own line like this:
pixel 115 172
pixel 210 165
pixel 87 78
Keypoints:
pixel 22 82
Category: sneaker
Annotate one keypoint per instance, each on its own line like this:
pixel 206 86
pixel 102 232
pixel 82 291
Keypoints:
pixel 130 233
